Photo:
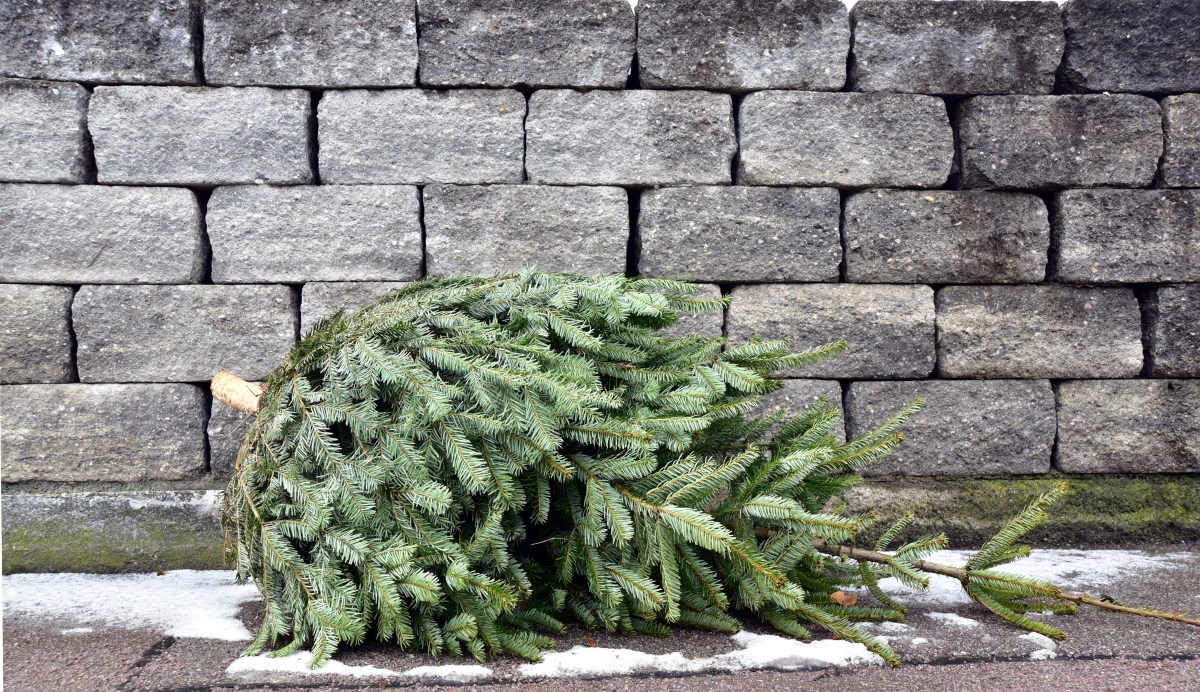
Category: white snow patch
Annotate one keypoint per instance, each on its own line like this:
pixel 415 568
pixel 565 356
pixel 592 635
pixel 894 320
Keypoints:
pixel 953 619
pixel 452 673
pixel 886 626
pixel 297 664
pixel 917 641
pixel 78 630
pixel 1047 645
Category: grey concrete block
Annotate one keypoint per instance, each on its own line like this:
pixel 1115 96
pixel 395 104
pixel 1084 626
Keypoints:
pixel 890 329
pixel 35 334
pixel 99 234
pixel 181 333
pixel 730 234
pixel 797 395
pixel 743 45
pixel 539 43
pixel 1129 426
pixel 320 300
pixel 844 140
pixel 1127 236
pixel 295 43
pixel 1035 332
pixel 709 324
pixel 978 47
pixel 1048 142
pixel 1132 45
pixel 1181 154
pixel 502 229
pixel 629 138
pixel 965 237
pixel 967 428
pixel 226 428
pixel 102 432
pixel 417 137
pixel 42 129
pixel 1173 331
pixel 200 136
pixel 265 234
pixel 131 41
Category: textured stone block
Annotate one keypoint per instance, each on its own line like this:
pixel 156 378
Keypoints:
pixel 418 137
pixel 1038 332
pixel 35 339
pixel 1129 426
pixel 102 432
pixel 539 43
pixel 967 428
pixel 743 45
pixel 890 329
pixel 1173 331
pixel 1132 45
pixel 1181 154
pixel 978 47
pixel 844 140
pixel 320 300
pixel 730 234
pixel 1048 142
pixel 709 324
pixel 309 233
pixel 226 428
pixel 181 333
pixel 134 41
pixel 897 236
pixel 503 229
pixel 99 234
pixel 629 138
pixel 296 43
pixel 797 395
pixel 1127 236
pixel 42 128
pixel 200 136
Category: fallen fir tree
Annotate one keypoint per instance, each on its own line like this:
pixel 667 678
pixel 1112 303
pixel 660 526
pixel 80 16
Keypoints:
pixel 468 462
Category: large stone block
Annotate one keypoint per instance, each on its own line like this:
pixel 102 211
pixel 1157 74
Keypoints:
pixel 899 236
pixel 42 129
pixel 503 229
pixel 629 138
pixel 1132 45
pixel 311 233
pixel 132 41
pixel 98 234
pixel 889 329
pixel 1036 332
pixel 978 47
pixel 1048 142
pixel 226 428
pixel 709 324
pixel 102 432
pixel 730 234
pixel 797 395
pixel 417 137
pixel 1129 426
pixel 967 428
pixel 844 140
pixel 181 333
pixel 200 136
pixel 1127 236
pixel 538 43
pixel 35 336
pixel 321 299
pixel 295 43
pixel 1181 154
pixel 743 45
pixel 1173 331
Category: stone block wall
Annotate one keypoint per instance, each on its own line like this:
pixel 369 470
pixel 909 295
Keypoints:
pixel 991 201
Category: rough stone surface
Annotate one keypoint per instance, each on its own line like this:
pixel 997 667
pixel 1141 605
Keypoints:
pixel 1048 142
pixel 844 140
pixel 979 47
pixel 629 138
pixel 320 299
pixel 1132 45
pixel 709 324
pixel 889 329
pixel 133 41
pixel 314 233
pixel 99 234
pixel 798 395
pixel 297 43
pixel 226 428
pixel 416 136
pixel 200 136
pixel 102 432
pixel 1181 155
pixel 502 229
pixel 1038 332
pixel 181 333
pixel 898 236
pixel 1173 331
pixel 539 43
pixel 1129 426
pixel 1127 236
pixel 42 128
pixel 35 336
pixel 967 428
pixel 743 45
pixel 730 234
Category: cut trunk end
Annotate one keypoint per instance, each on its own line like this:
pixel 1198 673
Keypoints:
pixel 236 393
